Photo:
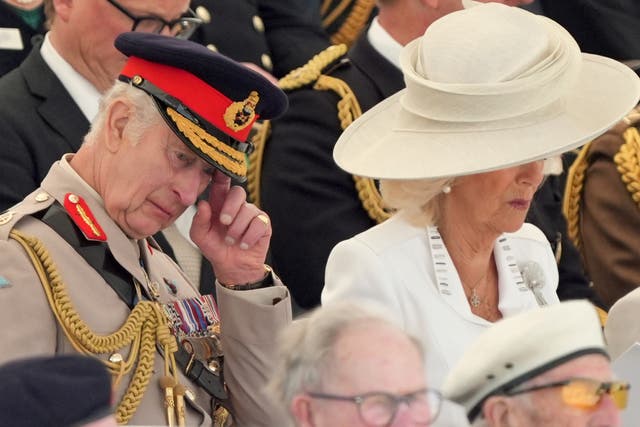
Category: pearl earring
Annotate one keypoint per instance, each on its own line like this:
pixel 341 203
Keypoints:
pixel 446 189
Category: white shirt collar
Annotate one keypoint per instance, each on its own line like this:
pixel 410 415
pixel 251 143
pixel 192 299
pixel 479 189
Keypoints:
pixel 382 41
pixel 85 95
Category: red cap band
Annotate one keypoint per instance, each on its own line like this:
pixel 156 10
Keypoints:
pixel 193 92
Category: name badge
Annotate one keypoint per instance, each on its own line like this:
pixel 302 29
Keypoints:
pixel 10 39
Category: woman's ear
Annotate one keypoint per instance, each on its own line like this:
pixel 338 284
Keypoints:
pixel 117 119
pixel 301 410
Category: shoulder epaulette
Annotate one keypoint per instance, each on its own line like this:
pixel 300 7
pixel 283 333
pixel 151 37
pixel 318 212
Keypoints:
pixel 627 161
pixel 309 72
pixel 34 202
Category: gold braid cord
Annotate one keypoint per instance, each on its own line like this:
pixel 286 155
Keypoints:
pixel 628 163
pixel 348 110
pixel 573 195
pixel 354 23
pixel 145 326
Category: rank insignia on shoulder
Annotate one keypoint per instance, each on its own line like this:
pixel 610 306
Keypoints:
pixel 80 213
pixel 4 283
pixel 6 217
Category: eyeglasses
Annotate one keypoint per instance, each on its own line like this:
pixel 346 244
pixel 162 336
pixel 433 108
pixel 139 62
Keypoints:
pixel 181 28
pixel 585 393
pixel 378 409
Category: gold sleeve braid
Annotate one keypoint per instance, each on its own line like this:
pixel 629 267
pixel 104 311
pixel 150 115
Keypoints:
pixel 144 327
pixel 627 162
pixel 354 23
pixel 348 110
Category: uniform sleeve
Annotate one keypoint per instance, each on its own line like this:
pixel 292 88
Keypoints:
pixel 29 327
pixel 312 203
pixel 251 322
pixel 610 223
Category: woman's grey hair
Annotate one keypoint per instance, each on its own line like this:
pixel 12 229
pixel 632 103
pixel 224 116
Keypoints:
pixel 145 113
pixel 419 196
pixel 306 349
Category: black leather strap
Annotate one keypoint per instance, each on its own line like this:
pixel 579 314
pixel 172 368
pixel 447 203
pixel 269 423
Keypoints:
pixel 195 370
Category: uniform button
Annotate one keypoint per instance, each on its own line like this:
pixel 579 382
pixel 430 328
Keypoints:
pixel 266 62
pixel 6 217
pixel 73 198
pixel 204 14
pixel 258 24
pixel 116 358
pixel 212 47
pixel 42 197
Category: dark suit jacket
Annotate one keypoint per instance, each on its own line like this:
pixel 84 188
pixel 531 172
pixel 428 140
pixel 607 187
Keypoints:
pixel 604 27
pixel 313 204
pixel 9 58
pixel 290 34
pixel 39 122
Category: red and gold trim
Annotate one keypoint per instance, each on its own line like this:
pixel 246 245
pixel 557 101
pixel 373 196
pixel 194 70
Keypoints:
pixel 80 213
pixel 199 96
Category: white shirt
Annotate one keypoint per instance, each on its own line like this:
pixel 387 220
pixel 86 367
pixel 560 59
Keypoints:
pixel 382 41
pixel 83 93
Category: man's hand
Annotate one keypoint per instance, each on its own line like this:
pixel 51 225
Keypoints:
pixel 231 233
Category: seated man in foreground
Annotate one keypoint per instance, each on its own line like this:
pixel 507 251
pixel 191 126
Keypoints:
pixel 546 367
pixel 347 365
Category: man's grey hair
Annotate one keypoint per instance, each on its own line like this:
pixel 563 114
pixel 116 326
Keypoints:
pixel 420 196
pixel 145 113
pixel 306 349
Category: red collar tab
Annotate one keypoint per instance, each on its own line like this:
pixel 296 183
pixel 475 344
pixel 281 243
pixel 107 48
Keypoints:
pixel 79 211
pixel 233 117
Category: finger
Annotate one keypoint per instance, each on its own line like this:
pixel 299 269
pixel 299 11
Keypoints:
pixel 241 222
pixel 259 228
pixel 201 221
pixel 218 190
pixel 235 200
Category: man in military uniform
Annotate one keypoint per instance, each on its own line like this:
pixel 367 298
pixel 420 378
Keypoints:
pixel 79 272
pixel 299 178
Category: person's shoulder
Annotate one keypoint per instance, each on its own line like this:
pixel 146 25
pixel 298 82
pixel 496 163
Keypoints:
pixel 35 202
pixel 393 234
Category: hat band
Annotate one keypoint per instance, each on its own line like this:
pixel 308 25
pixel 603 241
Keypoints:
pixel 193 92
pixel 209 146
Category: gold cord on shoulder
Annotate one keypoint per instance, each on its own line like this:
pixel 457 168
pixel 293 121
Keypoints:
pixel 144 327
pixel 355 22
pixel 573 194
pixel 628 163
pixel 309 72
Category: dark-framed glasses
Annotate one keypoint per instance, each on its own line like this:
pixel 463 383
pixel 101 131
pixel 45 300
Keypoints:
pixel 378 409
pixel 181 28
pixel 584 393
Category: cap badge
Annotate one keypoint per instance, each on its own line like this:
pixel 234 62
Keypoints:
pixel 240 114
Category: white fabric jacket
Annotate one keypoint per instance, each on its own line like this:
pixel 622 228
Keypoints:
pixel 391 265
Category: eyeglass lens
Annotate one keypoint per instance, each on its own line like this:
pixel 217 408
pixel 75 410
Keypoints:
pixel 380 409
pixel 587 394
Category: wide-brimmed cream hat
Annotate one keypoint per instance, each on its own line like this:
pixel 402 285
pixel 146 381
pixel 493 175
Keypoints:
pixel 488 87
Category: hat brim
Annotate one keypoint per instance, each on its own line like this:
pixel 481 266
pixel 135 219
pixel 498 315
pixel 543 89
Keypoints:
pixel 389 142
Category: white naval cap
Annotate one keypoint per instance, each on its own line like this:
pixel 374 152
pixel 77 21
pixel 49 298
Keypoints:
pixel 521 347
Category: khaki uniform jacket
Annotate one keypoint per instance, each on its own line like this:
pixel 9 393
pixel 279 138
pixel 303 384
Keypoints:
pixel 249 319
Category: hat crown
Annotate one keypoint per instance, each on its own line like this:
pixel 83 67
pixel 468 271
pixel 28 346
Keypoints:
pixel 521 63
pixel 474 41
